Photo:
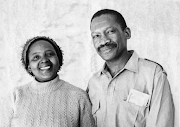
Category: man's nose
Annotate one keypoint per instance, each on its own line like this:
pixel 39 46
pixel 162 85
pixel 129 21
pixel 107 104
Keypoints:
pixel 105 39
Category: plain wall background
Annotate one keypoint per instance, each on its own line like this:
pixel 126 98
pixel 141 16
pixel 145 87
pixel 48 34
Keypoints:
pixel 155 27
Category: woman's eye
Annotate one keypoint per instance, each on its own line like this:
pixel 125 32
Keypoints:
pixel 35 58
pixel 50 54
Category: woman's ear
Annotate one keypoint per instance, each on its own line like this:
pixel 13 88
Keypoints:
pixel 29 69
pixel 127 32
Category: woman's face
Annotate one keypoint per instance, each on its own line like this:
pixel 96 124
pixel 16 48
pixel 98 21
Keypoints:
pixel 43 61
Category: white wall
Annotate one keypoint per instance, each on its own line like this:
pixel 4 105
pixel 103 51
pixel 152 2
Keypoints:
pixel 155 26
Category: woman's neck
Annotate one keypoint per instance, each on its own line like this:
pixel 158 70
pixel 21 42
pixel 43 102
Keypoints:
pixel 45 87
pixel 44 81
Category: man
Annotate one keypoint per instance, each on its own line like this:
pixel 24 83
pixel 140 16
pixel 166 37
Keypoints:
pixel 129 91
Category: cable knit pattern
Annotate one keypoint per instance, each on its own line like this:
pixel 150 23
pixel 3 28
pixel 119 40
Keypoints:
pixel 51 104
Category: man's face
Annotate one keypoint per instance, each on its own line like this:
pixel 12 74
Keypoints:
pixel 108 38
pixel 43 61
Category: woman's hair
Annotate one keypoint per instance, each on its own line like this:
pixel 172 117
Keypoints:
pixel 29 42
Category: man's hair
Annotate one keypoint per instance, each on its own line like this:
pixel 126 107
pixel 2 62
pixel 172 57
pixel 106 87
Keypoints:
pixel 119 18
pixel 27 45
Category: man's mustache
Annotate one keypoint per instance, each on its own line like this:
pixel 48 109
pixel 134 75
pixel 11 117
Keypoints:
pixel 112 44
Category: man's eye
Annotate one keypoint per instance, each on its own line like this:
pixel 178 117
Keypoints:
pixel 96 36
pixel 111 31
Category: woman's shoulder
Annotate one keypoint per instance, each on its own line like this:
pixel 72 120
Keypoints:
pixel 14 94
pixel 73 90
pixel 21 88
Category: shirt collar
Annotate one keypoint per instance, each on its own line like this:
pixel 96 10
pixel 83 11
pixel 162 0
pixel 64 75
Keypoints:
pixel 131 65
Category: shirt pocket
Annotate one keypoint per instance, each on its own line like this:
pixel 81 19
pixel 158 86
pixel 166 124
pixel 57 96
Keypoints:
pixel 129 113
pixel 133 114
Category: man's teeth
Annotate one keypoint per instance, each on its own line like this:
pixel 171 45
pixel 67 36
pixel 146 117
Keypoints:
pixel 44 68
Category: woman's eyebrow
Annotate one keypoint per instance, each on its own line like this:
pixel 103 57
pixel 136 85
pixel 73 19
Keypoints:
pixel 34 53
pixel 50 50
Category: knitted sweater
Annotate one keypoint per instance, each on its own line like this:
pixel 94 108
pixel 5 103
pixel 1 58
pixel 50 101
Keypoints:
pixel 51 104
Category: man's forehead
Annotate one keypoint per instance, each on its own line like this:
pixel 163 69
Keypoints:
pixel 102 21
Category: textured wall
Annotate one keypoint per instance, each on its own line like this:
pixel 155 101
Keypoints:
pixel 155 27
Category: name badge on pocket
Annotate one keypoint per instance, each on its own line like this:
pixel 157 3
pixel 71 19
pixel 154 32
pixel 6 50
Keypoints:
pixel 138 98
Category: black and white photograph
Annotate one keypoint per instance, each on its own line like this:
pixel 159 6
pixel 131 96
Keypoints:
pixel 89 63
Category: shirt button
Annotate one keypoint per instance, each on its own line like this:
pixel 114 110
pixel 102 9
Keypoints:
pixel 133 112
pixel 125 99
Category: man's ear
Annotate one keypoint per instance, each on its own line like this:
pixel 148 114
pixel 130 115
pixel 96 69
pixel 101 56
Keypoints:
pixel 127 32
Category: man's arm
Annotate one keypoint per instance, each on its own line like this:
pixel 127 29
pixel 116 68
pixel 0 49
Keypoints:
pixel 86 119
pixel 162 107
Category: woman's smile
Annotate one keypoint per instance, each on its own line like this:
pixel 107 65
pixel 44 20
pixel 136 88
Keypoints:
pixel 43 61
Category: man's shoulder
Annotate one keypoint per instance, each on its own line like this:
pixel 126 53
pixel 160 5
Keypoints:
pixel 95 79
pixel 96 75
pixel 150 65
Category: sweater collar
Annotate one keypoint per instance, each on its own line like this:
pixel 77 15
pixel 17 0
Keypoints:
pixel 45 87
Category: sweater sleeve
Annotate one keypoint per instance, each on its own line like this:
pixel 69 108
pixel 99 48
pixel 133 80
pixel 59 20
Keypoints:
pixel 6 111
pixel 86 118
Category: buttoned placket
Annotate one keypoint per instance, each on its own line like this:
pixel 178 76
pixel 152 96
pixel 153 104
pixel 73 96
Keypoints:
pixel 109 100
pixel 110 96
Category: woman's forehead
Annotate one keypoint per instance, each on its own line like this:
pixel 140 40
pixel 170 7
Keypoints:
pixel 41 45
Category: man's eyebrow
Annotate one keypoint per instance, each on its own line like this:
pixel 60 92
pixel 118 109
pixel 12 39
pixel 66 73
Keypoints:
pixel 110 27
pixel 94 33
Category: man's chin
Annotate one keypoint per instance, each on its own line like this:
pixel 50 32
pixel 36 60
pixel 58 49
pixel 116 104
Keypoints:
pixel 107 57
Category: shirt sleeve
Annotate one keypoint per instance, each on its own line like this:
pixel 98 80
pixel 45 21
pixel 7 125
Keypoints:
pixel 6 112
pixel 86 118
pixel 161 112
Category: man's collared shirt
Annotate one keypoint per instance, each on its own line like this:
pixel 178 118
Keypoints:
pixel 112 106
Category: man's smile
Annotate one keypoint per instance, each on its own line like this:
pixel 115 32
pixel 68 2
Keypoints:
pixel 107 48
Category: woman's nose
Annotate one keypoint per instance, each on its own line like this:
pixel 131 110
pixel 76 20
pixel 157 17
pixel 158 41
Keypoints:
pixel 44 59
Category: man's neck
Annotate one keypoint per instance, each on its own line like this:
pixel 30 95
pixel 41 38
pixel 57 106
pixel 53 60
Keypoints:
pixel 115 66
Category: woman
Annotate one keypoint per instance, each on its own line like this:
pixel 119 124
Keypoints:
pixel 47 101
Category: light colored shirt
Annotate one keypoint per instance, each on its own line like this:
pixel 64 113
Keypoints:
pixel 109 96
pixel 51 104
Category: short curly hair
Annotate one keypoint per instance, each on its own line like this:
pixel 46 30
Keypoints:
pixel 119 18
pixel 29 42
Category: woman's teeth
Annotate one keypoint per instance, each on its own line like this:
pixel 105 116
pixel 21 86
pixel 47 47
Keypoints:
pixel 45 68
